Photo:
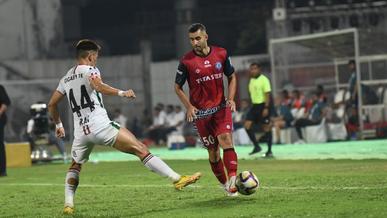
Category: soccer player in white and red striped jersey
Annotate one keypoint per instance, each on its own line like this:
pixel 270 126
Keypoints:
pixel 83 86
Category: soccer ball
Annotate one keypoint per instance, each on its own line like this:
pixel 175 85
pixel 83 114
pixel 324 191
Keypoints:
pixel 247 183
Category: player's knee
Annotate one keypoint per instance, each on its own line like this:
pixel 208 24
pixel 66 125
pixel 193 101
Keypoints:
pixel 225 140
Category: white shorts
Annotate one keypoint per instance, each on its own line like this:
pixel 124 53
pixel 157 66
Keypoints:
pixel 83 145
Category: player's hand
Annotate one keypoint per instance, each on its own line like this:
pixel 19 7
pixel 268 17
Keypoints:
pixel 60 132
pixel 129 94
pixel 191 113
pixel 231 104
pixel 265 112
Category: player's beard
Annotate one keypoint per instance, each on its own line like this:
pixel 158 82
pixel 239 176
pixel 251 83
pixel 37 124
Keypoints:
pixel 198 49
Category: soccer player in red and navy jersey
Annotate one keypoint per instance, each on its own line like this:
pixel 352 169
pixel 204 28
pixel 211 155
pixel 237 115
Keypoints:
pixel 209 109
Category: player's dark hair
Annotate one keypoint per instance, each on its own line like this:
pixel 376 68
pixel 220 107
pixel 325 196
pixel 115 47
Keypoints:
pixel 320 89
pixel 351 62
pixel 296 92
pixel 195 27
pixel 255 64
pixel 285 93
pixel 84 46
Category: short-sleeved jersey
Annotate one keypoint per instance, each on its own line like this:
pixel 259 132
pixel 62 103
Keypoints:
pixel 85 102
pixel 205 76
pixel 258 87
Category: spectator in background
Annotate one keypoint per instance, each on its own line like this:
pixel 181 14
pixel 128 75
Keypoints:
pixel 120 118
pixel 178 120
pixel 369 97
pixel 170 120
pixel 320 92
pixel 315 116
pixel 156 131
pixel 163 114
pixel 239 116
pixel 298 104
pixel 170 115
pixel 284 117
pixel 4 103
pixel 39 126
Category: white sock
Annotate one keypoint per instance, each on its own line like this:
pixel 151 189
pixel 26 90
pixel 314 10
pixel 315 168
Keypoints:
pixel 160 167
pixel 71 184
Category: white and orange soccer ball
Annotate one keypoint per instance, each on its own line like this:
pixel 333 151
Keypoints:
pixel 247 183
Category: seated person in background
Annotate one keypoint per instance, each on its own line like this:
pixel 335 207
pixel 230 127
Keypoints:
pixel 171 120
pixel 156 131
pixel 178 120
pixel 120 118
pixel 317 113
pixel 298 104
pixel 369 95
pixel 40 126
pixel 238 117
pixel 174 131
pixel 283 117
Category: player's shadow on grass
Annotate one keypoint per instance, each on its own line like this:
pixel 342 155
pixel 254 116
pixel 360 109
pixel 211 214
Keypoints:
pixel 221 202
pixel 225 201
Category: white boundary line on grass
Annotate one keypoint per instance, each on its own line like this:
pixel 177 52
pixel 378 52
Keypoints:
pixel 199 186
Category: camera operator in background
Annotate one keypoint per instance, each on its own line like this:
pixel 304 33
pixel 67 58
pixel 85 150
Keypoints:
pixel 40 127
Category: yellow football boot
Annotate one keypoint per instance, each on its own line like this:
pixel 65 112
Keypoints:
pixel 68 210
pixel 186 180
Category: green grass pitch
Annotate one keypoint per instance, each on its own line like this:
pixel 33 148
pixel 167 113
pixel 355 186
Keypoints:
pixel 289 188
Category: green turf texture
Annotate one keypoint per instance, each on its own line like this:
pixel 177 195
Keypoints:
pixel 289 188
pixel 367 149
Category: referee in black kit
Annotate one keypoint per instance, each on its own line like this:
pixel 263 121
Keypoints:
pixel 259 113
pixel 4 103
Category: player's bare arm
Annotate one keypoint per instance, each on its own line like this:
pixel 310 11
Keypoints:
pixel 105 89
pixel 53 109
pixel 191 110
pixel 232 84
pixel 3 108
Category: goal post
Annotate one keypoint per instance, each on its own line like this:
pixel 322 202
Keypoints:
pixel 302 62
pixel 308 60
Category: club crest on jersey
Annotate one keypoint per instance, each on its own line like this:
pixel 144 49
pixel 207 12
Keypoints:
pixel 207 63
pixel 218 65
pixel 197 71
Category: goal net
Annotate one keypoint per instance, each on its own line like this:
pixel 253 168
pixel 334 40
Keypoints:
pixel 303 62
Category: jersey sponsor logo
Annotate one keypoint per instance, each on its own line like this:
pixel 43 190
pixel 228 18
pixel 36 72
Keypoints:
pixel 209 78
pixel 207 64
pixel 218 65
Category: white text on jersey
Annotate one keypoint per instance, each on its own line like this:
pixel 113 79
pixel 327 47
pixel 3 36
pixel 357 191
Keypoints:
pixel 210 77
